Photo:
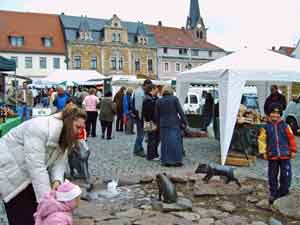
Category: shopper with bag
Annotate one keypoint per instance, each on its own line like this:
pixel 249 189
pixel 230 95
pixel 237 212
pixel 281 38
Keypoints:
pixel 150 126
pixel 32 161
pixel 170 117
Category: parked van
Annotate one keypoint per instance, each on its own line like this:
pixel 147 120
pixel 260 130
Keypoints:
pixel 194 102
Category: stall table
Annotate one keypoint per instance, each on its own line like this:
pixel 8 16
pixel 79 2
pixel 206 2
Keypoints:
pixel 9 124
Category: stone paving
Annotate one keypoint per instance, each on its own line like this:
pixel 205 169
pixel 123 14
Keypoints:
pixel 137 203
pixel 111 158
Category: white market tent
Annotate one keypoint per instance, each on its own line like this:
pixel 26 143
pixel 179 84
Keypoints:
pixel 232 72
pixel 76 76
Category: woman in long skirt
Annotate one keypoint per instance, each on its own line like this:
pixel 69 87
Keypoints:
pixel 170 117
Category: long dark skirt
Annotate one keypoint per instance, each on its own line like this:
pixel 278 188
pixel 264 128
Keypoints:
pixel 171 145
pixel 21 208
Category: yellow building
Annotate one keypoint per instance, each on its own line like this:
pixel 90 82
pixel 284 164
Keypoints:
pixel 110 46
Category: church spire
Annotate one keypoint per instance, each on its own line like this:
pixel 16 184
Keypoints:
pixel 194 16
pixel 195 22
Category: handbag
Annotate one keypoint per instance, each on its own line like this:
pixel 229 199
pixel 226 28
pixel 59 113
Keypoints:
pixel 149 126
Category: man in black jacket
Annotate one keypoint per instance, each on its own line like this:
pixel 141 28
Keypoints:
pixel 275 97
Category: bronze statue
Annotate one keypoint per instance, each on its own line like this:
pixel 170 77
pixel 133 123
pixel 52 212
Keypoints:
pixel 166 189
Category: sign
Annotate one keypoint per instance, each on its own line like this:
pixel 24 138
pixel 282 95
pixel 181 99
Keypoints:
pixel 41 112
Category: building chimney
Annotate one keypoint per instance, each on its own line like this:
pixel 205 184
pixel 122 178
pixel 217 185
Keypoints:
pixel 273 48
pixel 160 23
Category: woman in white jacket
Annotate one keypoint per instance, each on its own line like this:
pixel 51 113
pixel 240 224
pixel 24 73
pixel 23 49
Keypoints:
pixel 32 161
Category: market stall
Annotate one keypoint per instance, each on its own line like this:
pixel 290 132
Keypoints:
pixel 252 66
pixel 8 118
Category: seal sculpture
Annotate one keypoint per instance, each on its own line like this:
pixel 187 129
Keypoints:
pixel 166 189
pixel 216 170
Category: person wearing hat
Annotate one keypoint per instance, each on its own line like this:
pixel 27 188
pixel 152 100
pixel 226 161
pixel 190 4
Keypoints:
pixel 56 207
pixel 138 99
pixel 277 144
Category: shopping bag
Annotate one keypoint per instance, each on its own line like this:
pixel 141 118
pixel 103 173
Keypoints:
pixel 3 215
pixel 210 130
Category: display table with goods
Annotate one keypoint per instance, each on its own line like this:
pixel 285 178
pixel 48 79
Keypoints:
pixel 244 148
pixel 8 120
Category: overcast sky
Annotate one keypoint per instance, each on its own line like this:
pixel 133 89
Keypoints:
pixel 232 24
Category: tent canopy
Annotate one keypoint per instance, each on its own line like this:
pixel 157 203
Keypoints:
pixel 232 72
pixel 7 65
pixel 74 76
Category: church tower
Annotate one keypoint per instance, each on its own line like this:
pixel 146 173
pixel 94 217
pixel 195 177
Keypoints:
pixel 195 22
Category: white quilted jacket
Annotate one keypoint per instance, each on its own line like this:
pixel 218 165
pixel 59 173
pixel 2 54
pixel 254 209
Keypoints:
pixel 29 154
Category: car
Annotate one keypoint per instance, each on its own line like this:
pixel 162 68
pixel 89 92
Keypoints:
pixel 291 115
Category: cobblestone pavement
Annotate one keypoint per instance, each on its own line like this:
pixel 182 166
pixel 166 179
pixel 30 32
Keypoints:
pixel 112 158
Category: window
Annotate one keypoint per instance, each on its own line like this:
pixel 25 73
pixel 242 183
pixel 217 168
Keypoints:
pixel 56 63
pixel 43 62
pixel 116 37
pixel 114 63
pixel 178 67
pixel 165 50
pixel 16 41
pixel 195 52
pixel 15 58
pixel 201 34
pixel 182 51
pixel 137 65
pixel 47 42
pixel 94 62
pixel 210 53
pixel 28 62
pixel 77 62
pixel 166 67
pixel 193 99
pixel 150 65
pixel 120 63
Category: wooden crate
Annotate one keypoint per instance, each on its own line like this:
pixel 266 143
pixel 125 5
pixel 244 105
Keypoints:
pixel 239 159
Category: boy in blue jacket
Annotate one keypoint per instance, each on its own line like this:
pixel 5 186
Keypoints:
pixel 277 144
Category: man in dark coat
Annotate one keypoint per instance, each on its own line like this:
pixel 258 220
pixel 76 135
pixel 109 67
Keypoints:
pixel 275 97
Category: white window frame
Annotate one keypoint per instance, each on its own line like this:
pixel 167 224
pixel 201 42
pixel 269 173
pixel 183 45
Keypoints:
pixel 94 58
pixel 58 67
pixel 43 62
pixel 29 60
pixel 176 69
pixel 74 62
pixel 166 67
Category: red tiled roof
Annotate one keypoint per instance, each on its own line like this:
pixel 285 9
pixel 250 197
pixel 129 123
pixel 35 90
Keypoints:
pixel 286 50
pixel 171 36
pixel 33 27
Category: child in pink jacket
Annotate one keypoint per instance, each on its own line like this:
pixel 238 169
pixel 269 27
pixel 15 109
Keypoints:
pixel 57 206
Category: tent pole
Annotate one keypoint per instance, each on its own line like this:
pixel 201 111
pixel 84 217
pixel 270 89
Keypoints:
pixel 15 81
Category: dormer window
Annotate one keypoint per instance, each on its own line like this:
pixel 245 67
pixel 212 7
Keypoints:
pixel 47 42
pixel 85 36
pixel 116 37
pixel 16 41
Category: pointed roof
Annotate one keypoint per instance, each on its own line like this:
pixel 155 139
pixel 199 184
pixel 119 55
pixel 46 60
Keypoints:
pixel 84 24
pixel 141 29
pixel 194 15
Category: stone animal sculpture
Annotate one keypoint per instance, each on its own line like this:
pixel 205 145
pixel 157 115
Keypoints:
pixel 166 189
pixel 216 170
pixel 78 160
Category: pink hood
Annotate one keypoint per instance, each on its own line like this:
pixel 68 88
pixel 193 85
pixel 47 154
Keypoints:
pixel 52 212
